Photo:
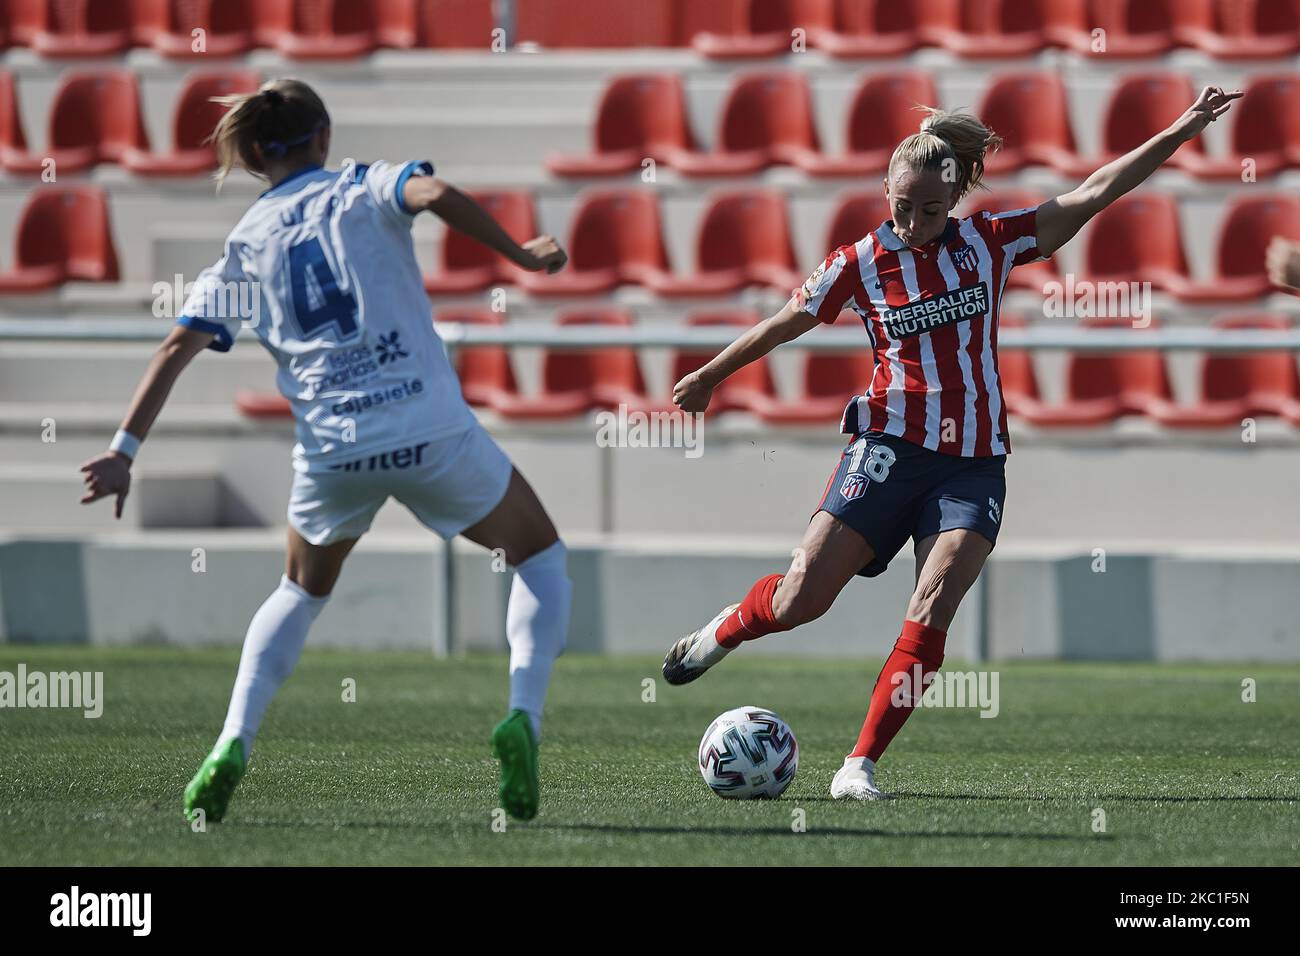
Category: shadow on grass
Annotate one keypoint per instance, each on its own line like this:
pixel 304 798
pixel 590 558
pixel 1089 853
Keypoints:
pixel 833 831
pixel 1112 797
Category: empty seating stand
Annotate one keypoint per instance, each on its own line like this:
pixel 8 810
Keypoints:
pixel 95 118
pixel 766 120
pixel 617 239
pixel 194 119
pixel 828 381
pixel 487 378
pixel 1239 385
pixel 743 240
pixel 882 113
pixel 576 381
pixel 749 389
pixel 63 235
pixel 1102 387
pixel 469 266
pixel 638 117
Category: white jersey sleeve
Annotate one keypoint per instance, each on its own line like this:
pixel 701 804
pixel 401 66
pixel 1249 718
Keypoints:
pixel 222 298
pixel 384 182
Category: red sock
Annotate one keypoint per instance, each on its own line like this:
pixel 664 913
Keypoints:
pixel 918 645
pixel 754 617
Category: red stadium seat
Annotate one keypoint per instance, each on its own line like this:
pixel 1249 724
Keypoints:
pixel 1033 275
pixel 596 24
pixel 639 116
pixel 95 118
pixel 454 24
pixel 1266 126
pixel 1139 239
pixel 469 266
pixel 617 239
pixel 884 28
pixel 830 379
pixel 1014 28
pixel 487 378
pixel 63 235
pixel 1032 115
pixel 194 120
pixel 71 27
pixel 743 239
pixel 1237 385
pixel 1100 387
pixel 1147 28
pixel 262 404
pixel 766 119
pixel 13 142
pixel 1015 367
pixel 1247 229
pixel 883 113
pixel 748 389
pixel 1142 106
pixel 169 27
pixel 760 28
pixel 855 215
pixel 577 381
pixel 334 29
pixel 1249 29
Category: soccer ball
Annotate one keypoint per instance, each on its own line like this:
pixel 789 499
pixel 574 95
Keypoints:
pixel 749 754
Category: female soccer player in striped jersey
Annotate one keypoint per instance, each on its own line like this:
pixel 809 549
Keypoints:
pixel 338 300
pixel 929 435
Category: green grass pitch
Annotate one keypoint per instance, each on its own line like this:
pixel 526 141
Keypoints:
pixel 1184 770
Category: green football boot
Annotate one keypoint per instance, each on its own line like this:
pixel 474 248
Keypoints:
pixel 216 780
pixel 514 745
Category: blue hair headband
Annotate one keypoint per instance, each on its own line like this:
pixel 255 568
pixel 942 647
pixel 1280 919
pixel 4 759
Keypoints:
pixel 277 148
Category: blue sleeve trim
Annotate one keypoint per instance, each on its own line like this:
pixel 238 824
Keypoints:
pixel 359 172
pixel 223 341
pixel 424 167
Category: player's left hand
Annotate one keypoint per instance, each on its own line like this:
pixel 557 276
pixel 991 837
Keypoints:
pixel 107 474
pixel 1283 263
pixel 1209 106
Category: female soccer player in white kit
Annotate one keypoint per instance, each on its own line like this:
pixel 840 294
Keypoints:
pixel 326 261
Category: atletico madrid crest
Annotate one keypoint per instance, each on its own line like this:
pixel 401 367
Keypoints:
pixel 966 258
pixel 854 486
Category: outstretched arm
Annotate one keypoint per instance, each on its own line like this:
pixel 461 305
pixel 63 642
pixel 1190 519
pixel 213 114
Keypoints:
pixel 1060 219
pixel 110 473
pixel 463 214
pixel 692 393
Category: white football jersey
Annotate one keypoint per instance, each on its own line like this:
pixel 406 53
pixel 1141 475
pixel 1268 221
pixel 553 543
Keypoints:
pixel 323 269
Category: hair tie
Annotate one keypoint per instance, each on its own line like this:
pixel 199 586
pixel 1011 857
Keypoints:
pixel 278 148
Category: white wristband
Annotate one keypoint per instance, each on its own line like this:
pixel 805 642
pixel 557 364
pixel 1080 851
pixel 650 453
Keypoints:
pixel 126 443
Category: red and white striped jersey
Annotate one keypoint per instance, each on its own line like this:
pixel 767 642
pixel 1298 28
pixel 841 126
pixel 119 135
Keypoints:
pixel 932 317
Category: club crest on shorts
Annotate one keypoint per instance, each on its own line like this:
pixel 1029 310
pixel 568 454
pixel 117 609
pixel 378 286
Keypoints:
pixel 853 486
pixel 966 258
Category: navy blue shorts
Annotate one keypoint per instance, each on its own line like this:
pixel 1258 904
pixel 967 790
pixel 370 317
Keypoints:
pixel 889 490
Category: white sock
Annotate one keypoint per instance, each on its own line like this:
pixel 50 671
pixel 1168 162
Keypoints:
pixel 271 649
pixel 537 624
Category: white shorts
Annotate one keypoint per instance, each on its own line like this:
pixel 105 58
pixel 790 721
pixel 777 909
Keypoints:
pixel 449 484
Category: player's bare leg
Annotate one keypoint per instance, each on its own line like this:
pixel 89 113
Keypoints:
pixel 947 564
pixel 830 554
pixel 537 623
pixel 272 647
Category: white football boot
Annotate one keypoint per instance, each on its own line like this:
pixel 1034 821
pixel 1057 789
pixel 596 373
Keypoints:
pixel 856 781
pixel 696 652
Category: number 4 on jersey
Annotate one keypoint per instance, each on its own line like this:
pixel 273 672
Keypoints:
pixel 318 302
